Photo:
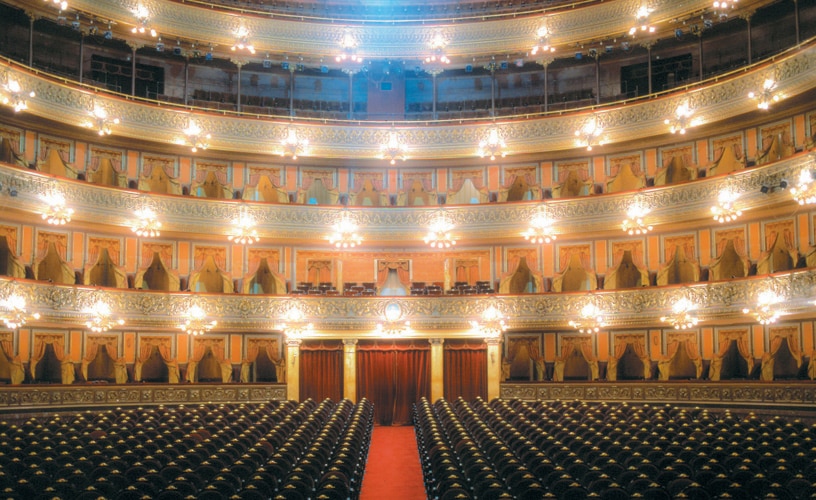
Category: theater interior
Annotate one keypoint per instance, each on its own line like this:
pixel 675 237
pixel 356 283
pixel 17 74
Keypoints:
pixel 568 246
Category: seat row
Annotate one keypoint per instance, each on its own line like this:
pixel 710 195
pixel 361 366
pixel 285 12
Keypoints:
pixel 280 450
pixel 578 450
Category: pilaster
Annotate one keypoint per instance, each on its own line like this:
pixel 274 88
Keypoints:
pixel 350 369
pixel 437 368
pixel 293 369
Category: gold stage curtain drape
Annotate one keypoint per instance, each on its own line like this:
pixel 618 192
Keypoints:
pixel 741 338
pixel 200 348
pixel 111 344
pixel 58 343
pixel 146 347
pixel 777 337
pixel 687 341
pixel 15 365
pixel 638 343
pixel 569 344
pixel 271 347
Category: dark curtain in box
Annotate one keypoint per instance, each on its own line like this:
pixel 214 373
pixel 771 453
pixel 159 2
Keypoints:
pixel 321 370
pixel 465 369
pixel 393 375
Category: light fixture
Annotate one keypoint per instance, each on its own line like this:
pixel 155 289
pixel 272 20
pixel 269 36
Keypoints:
pixel 101 317
pixel 61 4
pixel 295 326
pixel 12 93
pixel 196 323
pixel 681 119
pixel 142 20
pixel 437 45
pixel 681 317
pixel 492 145
pixel 635 218
pixel 344 233
pixel 243 230
pixel 439 233
pixel 292 145
pixel 242 40
pixel 56 211
pixel 725 5
pixel 394 325
pixel 491 325
pixel 101 121
pixel 14 312
pixel 767 95
pixel 642 21
pixel 804 192
pixel 590 133
pixel 196 137
pixel 540 230
pixel 348 47
pixel 146 224
pixel 543 43
pixel 725 210
pixel 393 149
pixel 766 311
pixel 590 319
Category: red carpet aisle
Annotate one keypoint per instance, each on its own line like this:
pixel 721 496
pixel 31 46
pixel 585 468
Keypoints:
pixel 393 471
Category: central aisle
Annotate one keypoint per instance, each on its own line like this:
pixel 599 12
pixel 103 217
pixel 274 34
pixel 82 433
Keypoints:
pixel 393 470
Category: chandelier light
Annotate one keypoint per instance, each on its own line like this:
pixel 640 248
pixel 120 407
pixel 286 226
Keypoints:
pixel 393 149
pixel 394 326
pixel 681 120
pixel 101 318
pixel 142 21
pixel 243 230
pixel 196 138
pixel 344 233
pixel 14 312
pixel 437 45
pixel 681 317
pixel 61 4
pixel 725 210
pixel 146 224
pixel 292 145
pixel 540 230
pixel 635 219
pixel 543 44
pixel 295 326
pixel 767 95
pixel 493 145
pixel 439 233
pixel 642 21
pixel 196 323
pixel 491 325
pixel 242 41
pixel 589 134
pixel 348 47
pixel 590 320
pixel 724 6
pixel 12 93
pixel 804 192
pixel 101 121
pixel 766 311
pixel 56 211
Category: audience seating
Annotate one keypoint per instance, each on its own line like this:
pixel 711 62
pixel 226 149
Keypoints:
pixel 280 450
pixel 572 450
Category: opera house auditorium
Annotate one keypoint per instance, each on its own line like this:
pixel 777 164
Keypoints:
pixel 454 249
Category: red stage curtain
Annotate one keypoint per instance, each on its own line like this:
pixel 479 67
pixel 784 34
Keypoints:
pixel 321 371
pixel 465 369
pixel 393 376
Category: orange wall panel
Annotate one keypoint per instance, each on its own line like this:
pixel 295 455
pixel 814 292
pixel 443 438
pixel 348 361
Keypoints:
pixel 807 338
pixel 754 241
pixel 549 347
pixel 27 252
pixel 182 347
pixel 236 348
pixel 238 181
pixel 650 156
pixel 75 353
pixel 130 347
pixel 704 238
pixel 133 164
pixel 80 155
pixel 758 340
pixel 603 345
pixel 131 262
pixel 24 344
pixel 30 140
pixel 185 170
pixel 78 251
pixel 708 343
pixel 184 258
pixel 493 180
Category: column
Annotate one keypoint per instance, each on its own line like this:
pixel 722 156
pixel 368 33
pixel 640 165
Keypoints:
pixel 350 369
pixel 293 369
pixel 350 72
pixel 700 53
pixel 796 20
pixel 494 360
pixel 437 369
pixel 133 48
pixel 493 90
pixel 598 77
pixel 546 63
pixel 186 80
pixel 649 65
pixel 81 55
pixel 747 17
pixel 434 73
pixel 239 64
pixel 292 68
pixel 31 20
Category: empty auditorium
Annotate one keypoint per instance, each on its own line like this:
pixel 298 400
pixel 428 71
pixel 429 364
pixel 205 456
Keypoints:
pixel 406 250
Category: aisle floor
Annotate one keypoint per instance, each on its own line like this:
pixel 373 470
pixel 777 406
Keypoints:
pixel 393 471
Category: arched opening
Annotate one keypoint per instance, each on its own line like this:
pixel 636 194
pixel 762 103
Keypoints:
pixel 102 368
pixel 734 365
pixel 155 369
pixel 49 368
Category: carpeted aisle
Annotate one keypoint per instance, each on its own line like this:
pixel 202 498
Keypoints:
pixel 393 471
